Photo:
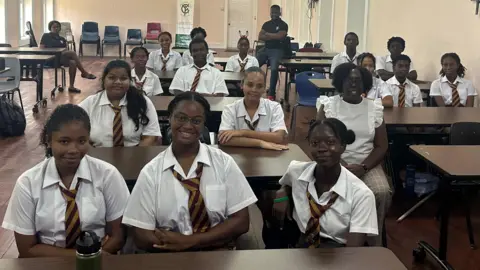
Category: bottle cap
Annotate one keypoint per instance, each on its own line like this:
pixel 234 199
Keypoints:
pixel 88 243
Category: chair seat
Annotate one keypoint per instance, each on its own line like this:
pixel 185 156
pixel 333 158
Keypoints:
pixel 133 41
pixel 111 40
pixel 89 38
pixel 7 86
pixel 307 101
pixel 151 36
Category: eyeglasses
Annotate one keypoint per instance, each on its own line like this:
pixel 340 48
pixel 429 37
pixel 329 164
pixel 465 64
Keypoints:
pixel 183 119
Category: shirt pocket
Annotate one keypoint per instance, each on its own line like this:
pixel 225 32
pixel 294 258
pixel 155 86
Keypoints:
pixel 216 198
pixel 92 213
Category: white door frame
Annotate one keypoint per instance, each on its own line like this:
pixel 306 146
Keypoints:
pixel 254 23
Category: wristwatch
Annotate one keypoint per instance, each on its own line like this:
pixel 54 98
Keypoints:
pixel 365 167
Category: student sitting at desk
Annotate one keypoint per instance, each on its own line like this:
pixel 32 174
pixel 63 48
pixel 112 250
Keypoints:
pixel 164 59
pixel 197 33
pixel 365 156
pixel 330 206
pixel 379 89
pixel 452 90
pixel 200 77
pixel 66 193
pixel 396 46
pixel 191 196
pixel 242 61
pixel 69 58
pixel 405 93
pixel 253 121
pixel 350 54
pixel 143 79
pixel 120 114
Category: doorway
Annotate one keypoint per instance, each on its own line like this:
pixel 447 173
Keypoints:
pixel 242 20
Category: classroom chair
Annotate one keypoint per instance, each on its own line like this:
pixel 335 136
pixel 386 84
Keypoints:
pixel 9 87
pixel 134 38
pixel 90 35
pixel 66 32
pixel 112 37
pixel 153 30
pixel 307 94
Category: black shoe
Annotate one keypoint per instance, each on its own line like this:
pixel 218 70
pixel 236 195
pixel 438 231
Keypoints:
pixel 74 90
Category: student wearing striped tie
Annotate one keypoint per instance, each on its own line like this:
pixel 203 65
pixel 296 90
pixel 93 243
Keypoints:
pixel 405 93
pixel 164 59
pixel 191 196
pixel 120 114
pixel 68 192
pixel 142 78
pixel 254 121
pixel 187 57
pixel 241 61
pixel 452 90
pixel 350 54
pixel 321 204
pixel 200 77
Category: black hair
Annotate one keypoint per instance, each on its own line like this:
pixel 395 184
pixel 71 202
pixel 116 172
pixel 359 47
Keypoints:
pixel 197 41
pixel 276 7
pixel 50 24
pixel 136 103
pixel 352 34
pixel 364 55
pixel 346 136
pixel 165 33
pixel 136 49
pixel 461 69
pixel 401 57
pixel 189 96
pixel 254 69
pixel 197 30
pixel 396 39
pixel 243 38
pixel 62 114
pixel 342 71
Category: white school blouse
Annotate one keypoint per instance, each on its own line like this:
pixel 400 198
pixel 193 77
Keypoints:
pixel 211 80
pixel 342 58
pixel 362 118
pixel 353 212
pixel 413 95
pixel 159 200
pixel 102 115
pixel 234 66
pixel 380 89
pixel 37 206
pixel 441 88
pixel 155 60
pixel 269 112
pixel 188 58
pixel 386 63
pixel 151 83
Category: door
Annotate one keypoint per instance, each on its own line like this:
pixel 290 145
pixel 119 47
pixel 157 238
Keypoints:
pixel 241 19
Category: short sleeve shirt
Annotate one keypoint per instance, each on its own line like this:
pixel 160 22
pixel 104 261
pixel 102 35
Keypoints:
pixel 50 40
pixel 274 26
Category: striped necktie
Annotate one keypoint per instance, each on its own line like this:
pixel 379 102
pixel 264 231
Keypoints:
pixel 242 65
pixel 455 95
pixel 117 126
pixel 196 204
pixel 250 125
pixel 401 96
pixel 196 80
pixel 72 218
pixel 312 232
pixel 164 61
pixel 138 84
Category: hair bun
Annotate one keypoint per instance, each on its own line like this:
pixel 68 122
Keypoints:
pixel 350 138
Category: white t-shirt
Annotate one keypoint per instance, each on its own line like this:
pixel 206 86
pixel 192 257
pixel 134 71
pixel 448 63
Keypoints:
pixel 413 95
pixel 362 118
pixel 386 63
pixel 441 88
pixel 353 212
pixel 188 59
pixel 151 83
pixel 380 89
pixel 159 200
pixel 155 60
pixel 211 80
pixel 342 58
pixel 233 63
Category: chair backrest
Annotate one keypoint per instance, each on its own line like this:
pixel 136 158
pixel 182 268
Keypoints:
pixel 66 29
pixel 111 30
pixel 90 27
pixel 14 64
pixel 151 27
pixel 465 133
pixel 295 46
pixel 304 87
pixel 33 40
pixel 134 34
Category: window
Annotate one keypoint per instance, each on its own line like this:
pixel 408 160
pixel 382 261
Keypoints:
pixel 25 16
pixel 47 13
pixel 3 18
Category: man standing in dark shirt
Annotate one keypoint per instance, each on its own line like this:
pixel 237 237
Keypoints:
pixel 273 33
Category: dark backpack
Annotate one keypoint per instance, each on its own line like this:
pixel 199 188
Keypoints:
pixel 12 118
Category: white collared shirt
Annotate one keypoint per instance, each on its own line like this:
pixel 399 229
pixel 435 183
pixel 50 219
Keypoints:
pixel 441 88
pixel 188 59
pixel 211 80
pixel 380 89
pixel 413 95
pixel 342 58
pixel 159 200
pixel 37 206
pixel 269 112
pixel 155 60
pixel 151 83
pixel 102 115
pixel 353 212
pixel 233 64
pixel 385 63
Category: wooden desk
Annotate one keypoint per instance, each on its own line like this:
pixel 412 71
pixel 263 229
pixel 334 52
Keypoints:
pixel 430 116
pixel 327 84
pixel 261 167
pixel 229 77
pixel 315 55
pixel 222 61
pixel 372 258
pixel 216 103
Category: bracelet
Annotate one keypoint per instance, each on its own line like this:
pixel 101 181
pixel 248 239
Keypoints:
pixel 282 199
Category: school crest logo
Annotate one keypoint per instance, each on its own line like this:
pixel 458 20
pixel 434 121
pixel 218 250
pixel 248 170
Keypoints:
pixel 185 9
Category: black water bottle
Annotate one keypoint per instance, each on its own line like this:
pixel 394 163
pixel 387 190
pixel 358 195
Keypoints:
pixel 89 251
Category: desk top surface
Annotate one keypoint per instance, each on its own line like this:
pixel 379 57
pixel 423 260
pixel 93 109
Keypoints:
pixel 31 57
pixel 430 116
pixel 315 55
pixel 216 103
pixel 33 50
pixel 327 84
pixel 310 62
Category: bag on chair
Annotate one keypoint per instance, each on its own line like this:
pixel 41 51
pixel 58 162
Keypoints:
pixel 12 118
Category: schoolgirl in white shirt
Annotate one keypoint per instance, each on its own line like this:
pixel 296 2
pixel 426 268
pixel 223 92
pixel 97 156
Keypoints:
pixel 200 76
pixel 384 65
pixel 121 115
pixel 307 187
pixel 191 196
pixel 379 89
pixel 164 59
pixel 142 78
pixel 452 90
pixel 404 92
pixel 253 121
pixel 67 193
pixel 241 61
pixel 188 58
